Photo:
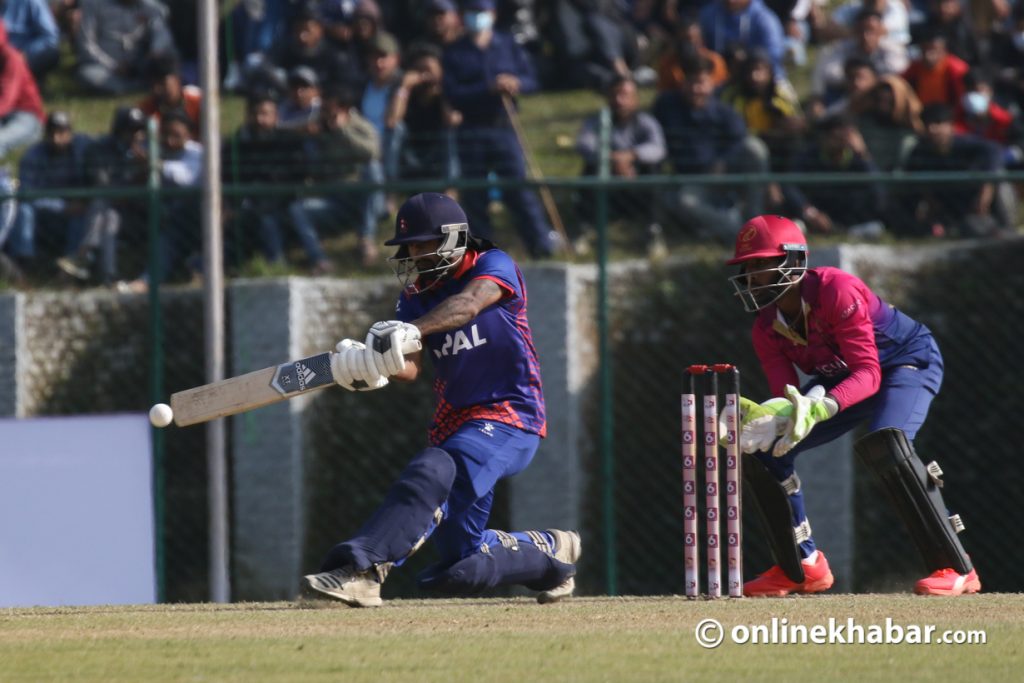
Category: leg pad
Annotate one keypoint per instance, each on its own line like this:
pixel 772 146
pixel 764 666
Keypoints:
pixel 913 489
pixel 771 500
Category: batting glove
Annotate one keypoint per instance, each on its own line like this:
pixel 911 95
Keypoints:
pixel 388 341
pixel 353 368
pixel 808 411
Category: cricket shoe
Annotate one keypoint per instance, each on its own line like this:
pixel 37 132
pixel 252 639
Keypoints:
pixel 948 582
pixel 568 548
pixel 352 587
pixel 774 583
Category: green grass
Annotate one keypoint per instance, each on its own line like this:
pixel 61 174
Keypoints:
pixel 586 639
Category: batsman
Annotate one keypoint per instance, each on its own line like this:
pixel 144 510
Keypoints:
pixel 868 363
pixel 463 306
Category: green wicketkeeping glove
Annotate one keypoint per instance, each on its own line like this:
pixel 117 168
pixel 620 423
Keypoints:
pixel 760 423
pixel 807 411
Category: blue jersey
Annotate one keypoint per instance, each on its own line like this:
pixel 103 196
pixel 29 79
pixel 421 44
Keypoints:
pixel 487 369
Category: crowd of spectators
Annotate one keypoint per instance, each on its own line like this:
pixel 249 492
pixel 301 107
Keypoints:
pixel 375 91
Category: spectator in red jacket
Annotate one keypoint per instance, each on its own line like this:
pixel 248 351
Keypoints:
pixel 937 76
pixel 168 95
pixel 980 115
pixel 21 107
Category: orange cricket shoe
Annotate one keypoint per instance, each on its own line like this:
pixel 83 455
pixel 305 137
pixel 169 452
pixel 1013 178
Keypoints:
pixel 948 582
pixel 774 583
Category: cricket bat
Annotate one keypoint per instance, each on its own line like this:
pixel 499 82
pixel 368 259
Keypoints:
pixel 253 390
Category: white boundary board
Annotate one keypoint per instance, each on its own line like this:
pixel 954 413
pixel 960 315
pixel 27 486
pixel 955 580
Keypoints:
pixel 76 511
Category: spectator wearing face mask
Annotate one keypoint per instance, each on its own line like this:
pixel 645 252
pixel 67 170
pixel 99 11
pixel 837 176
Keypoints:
pixel 981 116
pixel 484 71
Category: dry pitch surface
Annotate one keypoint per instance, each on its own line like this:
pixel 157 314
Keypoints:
pixel 585 639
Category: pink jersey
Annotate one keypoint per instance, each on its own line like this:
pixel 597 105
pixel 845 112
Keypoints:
pixel 852 337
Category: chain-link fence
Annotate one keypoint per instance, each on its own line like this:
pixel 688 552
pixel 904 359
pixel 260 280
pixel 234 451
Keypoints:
pixel 668 305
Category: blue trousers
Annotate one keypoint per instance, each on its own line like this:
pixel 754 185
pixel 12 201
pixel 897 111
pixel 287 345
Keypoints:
pixel 481 453
pixel 902 402
pixel 484 452
pixel 483 150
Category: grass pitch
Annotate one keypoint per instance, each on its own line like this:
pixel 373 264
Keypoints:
pixel 515 640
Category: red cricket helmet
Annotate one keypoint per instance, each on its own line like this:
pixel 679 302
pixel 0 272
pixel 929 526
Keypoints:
pixel 768 237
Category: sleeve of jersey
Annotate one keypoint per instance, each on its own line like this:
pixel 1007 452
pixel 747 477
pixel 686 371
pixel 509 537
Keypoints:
pixel 498 267
pixel 408 307
pixel 777 368
pixel 846 308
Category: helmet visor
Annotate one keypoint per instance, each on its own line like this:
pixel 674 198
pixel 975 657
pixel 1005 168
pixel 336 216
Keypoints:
pixel 787 273
pixel 425 270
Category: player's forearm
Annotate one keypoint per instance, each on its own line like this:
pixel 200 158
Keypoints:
pixel 450 314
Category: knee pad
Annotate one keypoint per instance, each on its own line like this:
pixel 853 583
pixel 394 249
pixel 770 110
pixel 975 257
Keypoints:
pixel 520 564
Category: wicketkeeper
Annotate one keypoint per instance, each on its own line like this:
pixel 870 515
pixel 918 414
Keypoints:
pixel 465 300
pixel 869 363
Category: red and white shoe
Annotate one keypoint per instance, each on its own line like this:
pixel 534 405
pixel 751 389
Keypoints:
pixel 948 582
pixel 774 583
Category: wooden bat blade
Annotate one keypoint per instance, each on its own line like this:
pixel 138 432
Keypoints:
pixel 253 390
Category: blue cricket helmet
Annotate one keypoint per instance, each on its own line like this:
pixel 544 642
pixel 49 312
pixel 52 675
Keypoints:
pixel 425 217
pixel 422 216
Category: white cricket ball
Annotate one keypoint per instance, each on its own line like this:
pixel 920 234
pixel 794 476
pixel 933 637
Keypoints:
pixel 161 415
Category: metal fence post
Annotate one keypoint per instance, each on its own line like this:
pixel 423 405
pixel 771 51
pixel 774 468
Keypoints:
pixel 156 346
pixel 213 309
pixel 604 350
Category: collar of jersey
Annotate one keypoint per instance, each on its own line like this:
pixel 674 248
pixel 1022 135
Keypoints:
pixel 468 261
pixel 780 326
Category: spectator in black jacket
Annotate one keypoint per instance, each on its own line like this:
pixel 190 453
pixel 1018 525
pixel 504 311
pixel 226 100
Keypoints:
pixel 422 121
pixel 706 136
pixel 305 46
pixel 853 208
pixel 339 152
pixel 58 162
pixel 960 209
pixel 261 153
pixel 117 160
pixel 948 19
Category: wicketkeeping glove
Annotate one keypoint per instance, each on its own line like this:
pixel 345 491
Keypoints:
pixel 761 424
pixel 353 368
pixel 388 341
pixel 808 411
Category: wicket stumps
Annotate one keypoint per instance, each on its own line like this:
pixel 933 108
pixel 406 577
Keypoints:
pixel 707 377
